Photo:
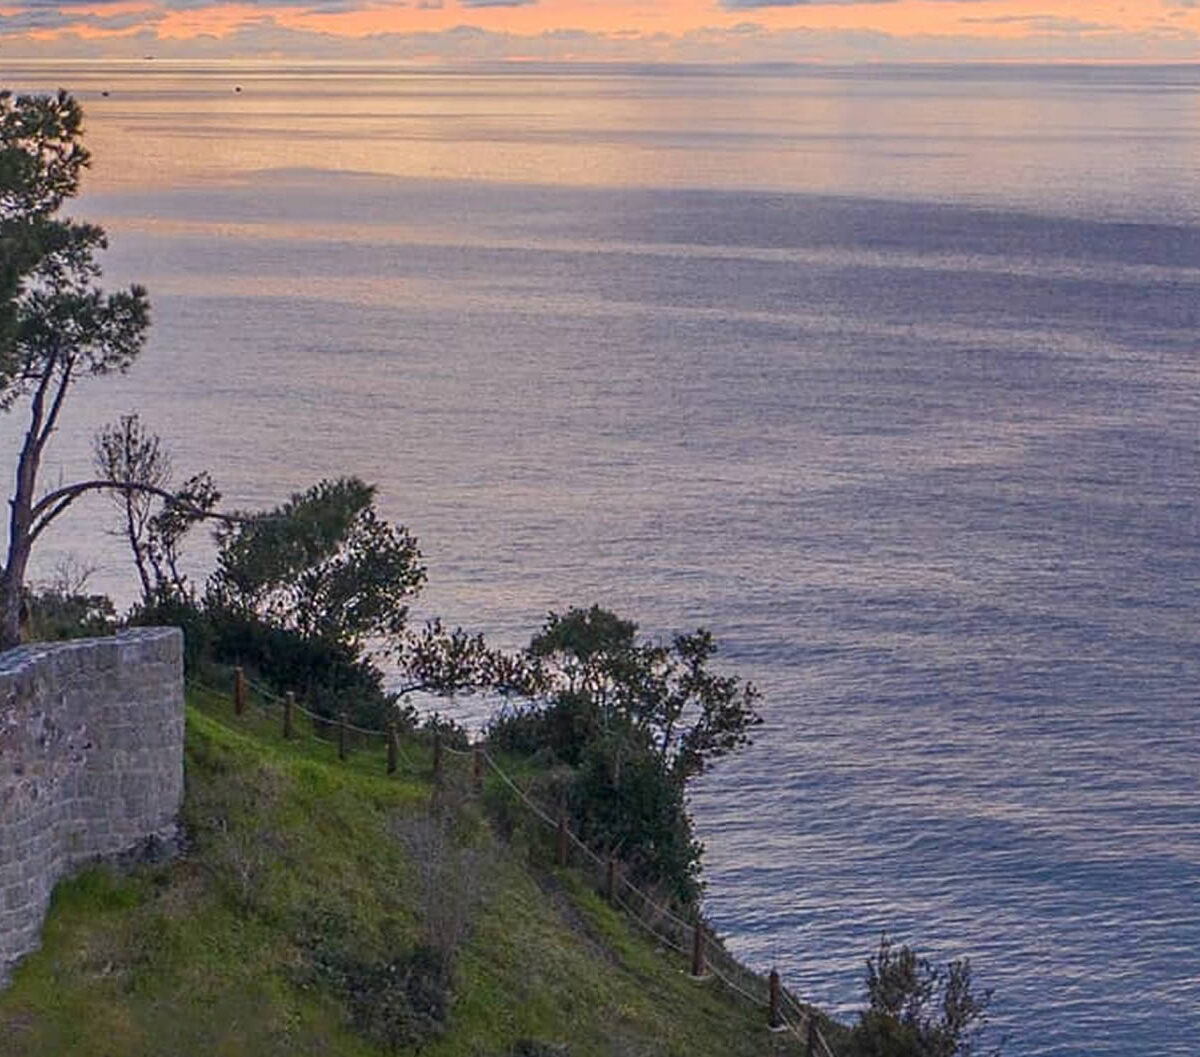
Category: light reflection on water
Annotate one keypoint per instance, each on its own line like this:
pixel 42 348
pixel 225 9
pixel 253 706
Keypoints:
pixel 1109 143
pixel 890 384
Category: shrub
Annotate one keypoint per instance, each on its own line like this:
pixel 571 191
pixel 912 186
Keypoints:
pixel 399 1002
pixel 52 614
pixel 175 611
pixel 560 730
pixel 327 676
pixel 640 812
pixel 635 721
pixel 915 1009
pixel 452 877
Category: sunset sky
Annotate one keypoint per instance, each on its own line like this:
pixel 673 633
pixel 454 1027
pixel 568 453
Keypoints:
pixel 596 30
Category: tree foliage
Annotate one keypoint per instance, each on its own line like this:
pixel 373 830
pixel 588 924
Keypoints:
pixel 917 1009
pixel 307 594
pixel 660 699
pixel 437 660
pixel 190 503
pixel 323 564
pixel 635 720
pixel 56 324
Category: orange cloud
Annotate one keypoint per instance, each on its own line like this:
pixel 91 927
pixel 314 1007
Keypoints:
pixel 876 28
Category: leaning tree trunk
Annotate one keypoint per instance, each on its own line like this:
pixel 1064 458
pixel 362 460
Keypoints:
pixel 10 601
pixel 20 543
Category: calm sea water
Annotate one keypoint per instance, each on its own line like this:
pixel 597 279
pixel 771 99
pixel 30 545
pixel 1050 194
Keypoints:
pixel 890 377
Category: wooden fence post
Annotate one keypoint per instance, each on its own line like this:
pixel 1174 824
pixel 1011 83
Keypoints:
pixel 393 747
pixel 560 843
pixel 774 1020
pixel 610 880
pixel 698 950
pixel 289 715
pixel 437 755
pixel 239 691
pixel 810 1046
pixel 341 735
pixel 477 770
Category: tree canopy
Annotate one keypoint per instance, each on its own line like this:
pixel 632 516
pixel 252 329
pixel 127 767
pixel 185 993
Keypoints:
pixel 634 720
pixel 917 1009
pixel 56 324
pixel 323 564
pixel 663 698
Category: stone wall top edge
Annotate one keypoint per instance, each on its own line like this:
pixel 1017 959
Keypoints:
pixel 32 653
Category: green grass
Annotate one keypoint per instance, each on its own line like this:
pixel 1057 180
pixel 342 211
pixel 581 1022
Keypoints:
pixel 299 877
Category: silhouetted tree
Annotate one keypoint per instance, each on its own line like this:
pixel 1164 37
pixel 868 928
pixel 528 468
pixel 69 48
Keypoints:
pixel 660 699
pixel 323 565
pixel 56 325
pixel 635 720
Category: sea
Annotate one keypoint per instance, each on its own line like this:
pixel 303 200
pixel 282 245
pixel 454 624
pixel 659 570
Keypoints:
pixel 889 376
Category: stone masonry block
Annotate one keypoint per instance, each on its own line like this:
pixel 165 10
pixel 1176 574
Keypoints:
pixel 91 763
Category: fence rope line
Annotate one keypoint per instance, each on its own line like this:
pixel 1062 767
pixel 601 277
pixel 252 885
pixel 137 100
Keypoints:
pixel 266 694
pixel 660 910
pixel 806 1015
pixel 195 684
pixel 647 926
pixel 821 1040
pixel 299 736
pixel 758 1000
pixel 585 849
pixel 753 999
pixel 319 720
pixel 263 691
pixel 520 794
pixel 651 908
pixel 791 1000
pixel 269 695
pixel 733 965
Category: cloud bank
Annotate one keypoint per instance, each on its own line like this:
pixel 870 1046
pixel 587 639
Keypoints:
pixel 720 31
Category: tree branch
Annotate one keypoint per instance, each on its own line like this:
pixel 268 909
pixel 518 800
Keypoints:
pixel 37 404
pixel 54 503
pixel 56 404
pixel 39 526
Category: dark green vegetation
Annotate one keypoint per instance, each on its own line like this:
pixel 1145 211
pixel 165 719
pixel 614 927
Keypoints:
pixel 916 1009
pixel 307 595
pixel 310 595
pixel 321 908
pixel 56 325
pixel 64 609
pixel 628 723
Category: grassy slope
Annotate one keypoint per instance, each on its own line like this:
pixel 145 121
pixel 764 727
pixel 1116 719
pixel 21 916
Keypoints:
pixel 293 852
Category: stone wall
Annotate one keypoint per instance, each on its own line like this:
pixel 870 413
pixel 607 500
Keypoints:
pixel 91 764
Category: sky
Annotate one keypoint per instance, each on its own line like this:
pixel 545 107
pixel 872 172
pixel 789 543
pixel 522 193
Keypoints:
pixel 434 31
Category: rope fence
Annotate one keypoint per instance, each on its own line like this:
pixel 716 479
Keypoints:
pixel 691 939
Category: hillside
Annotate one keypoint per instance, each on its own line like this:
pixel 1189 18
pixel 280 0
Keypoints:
pixel 310 911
